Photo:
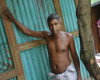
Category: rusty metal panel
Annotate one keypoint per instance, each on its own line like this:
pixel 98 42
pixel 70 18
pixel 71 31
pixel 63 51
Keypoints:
pixel 70 20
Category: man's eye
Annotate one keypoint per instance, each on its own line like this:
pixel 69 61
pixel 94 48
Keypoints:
pixel 56 23
pixel 50 25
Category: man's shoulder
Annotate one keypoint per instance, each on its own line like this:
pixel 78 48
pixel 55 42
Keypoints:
pixel 68 34
pixel 47 33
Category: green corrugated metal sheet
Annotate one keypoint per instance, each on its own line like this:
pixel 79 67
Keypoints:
pixel 33 14
pixel 70 20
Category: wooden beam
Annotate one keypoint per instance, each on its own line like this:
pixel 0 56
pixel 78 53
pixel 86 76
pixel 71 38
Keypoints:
pixel 12 43
pixel 31 44
pixel 75 33
pixel 59 12
pixel 76 3
pixel 5 76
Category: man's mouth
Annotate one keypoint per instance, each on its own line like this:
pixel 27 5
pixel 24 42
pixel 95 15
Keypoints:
pixel 55 29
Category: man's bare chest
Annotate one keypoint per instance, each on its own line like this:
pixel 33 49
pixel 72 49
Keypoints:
pixel 58 44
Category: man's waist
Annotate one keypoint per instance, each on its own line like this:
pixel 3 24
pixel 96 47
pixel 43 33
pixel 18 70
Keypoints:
pixel 61 70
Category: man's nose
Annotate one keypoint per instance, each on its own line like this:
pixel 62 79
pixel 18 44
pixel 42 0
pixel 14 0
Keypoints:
pixel 53 26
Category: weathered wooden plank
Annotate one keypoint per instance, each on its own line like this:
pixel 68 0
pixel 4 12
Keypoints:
pixel 31 44
pixel 75 33
pixel 5 76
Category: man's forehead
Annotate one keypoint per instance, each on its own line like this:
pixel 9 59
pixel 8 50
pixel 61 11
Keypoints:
pixel 53 20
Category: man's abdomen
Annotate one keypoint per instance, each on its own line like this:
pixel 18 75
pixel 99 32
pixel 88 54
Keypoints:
pixel 59 63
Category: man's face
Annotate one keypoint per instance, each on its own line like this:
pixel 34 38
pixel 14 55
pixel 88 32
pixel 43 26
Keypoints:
pixel 54 25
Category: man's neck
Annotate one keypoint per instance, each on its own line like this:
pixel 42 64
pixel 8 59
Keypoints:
pixel 56 33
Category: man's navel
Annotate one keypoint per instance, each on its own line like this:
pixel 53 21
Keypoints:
pixel 55 67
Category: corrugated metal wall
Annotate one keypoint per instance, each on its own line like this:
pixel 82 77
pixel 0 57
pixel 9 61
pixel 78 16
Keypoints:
pixel 70 20
pixel 33 14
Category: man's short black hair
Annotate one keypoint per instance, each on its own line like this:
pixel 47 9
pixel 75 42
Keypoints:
pixel 53 16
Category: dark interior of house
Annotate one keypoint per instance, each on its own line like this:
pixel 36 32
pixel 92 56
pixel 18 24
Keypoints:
pixel 95 15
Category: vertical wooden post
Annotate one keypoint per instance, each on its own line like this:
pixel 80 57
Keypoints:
pixel 59 12
pixel 76 3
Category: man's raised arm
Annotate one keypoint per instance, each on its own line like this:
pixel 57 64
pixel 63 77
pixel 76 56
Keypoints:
pixel 24 29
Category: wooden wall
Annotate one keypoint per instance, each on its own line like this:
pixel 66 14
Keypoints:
pixel 95 14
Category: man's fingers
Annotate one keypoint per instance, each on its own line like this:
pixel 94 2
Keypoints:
pixel 4 10
pixel 3 13
pixel 5 7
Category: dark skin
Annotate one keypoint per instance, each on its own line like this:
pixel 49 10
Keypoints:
pixel 58 43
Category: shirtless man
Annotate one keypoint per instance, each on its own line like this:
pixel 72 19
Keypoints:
pixel 58 43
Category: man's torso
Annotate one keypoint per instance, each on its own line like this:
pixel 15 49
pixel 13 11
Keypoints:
pixel 58 49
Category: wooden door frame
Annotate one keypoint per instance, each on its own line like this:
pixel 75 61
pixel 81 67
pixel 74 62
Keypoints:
pixel 16 48
pixel 94 15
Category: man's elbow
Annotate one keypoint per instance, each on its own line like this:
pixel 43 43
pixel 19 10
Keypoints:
pixel 28 33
